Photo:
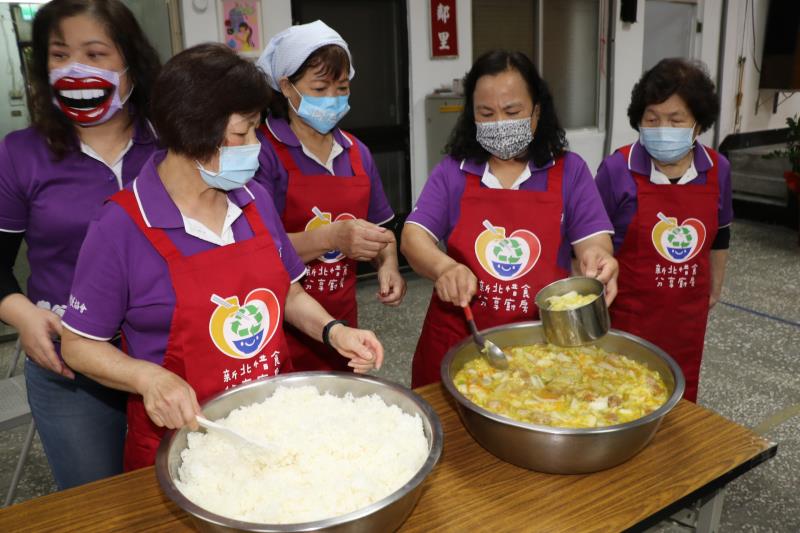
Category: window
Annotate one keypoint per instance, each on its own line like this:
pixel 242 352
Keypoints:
pixel 563 37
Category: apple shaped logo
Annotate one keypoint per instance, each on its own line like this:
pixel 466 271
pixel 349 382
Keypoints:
pixel 239 330
pixel 321 219
pixel 678 243
pixel 507 257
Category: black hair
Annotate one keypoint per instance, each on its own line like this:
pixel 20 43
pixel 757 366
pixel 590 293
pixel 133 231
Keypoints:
pixel 687 79
pixel 549 140
pixel 198 91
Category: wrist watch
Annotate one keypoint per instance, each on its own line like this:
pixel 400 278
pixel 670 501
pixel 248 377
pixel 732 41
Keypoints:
pixel 326 331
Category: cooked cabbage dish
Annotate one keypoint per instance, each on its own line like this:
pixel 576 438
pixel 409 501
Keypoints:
pixel 570 300
pixel 583 387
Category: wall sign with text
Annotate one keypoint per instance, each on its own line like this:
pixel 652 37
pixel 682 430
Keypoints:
pixel 444 31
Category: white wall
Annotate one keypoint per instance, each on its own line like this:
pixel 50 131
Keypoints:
pixel 427 74
pixel 628 50
pixel 9 63
pixel 202 26
pixel 751 119
pixel 628 60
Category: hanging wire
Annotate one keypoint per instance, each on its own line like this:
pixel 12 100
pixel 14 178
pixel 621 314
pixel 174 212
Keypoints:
pixel 753 26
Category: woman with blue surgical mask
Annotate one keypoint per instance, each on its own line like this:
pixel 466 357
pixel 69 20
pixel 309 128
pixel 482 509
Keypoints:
pixel 669 198
pixel 199 274
pixel 324 181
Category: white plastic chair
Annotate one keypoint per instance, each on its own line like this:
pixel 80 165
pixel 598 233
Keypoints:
pixel 15 411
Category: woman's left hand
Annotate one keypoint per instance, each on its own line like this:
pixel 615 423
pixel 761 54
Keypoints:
pixel 392 286
pixel 596 262
pixel 362 347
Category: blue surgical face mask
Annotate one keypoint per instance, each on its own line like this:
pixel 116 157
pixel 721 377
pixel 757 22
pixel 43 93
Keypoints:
pixel 667 144
pixel 237 166
pixel 321 112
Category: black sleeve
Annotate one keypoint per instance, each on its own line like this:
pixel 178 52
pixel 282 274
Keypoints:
pixel 9 247
pixel 723 239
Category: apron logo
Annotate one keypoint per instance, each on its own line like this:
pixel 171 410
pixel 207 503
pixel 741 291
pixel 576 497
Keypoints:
pixel 321 219
pixel 241 331
pixel 507 258
pixel 678 243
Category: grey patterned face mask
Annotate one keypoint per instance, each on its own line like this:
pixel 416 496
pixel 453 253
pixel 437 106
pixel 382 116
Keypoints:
pixel 505 138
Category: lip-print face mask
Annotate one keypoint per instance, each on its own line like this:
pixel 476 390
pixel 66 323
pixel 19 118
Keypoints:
pixel 87 95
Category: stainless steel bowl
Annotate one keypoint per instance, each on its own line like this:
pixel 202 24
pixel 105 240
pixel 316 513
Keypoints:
pixel 561 450
pixel 574 327
pixel 384 515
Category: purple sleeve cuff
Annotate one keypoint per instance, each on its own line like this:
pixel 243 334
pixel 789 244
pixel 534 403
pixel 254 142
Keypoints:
pixel 98 299
pixel 585 214
pixel 432 210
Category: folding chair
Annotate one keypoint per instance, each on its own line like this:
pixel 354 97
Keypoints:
pixel 15 411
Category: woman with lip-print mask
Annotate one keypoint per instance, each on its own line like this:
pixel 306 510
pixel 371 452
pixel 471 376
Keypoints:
pixel 511 204
pixel 192 263
pixel 669 198
pixel 324 181
pixel 91 77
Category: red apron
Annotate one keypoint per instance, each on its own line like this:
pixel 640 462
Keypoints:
pixel 510 241
pixel 225 330
pixel 313 201
pixel 664 270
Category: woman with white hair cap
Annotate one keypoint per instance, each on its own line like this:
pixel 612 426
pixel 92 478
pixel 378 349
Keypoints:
pixel 323 181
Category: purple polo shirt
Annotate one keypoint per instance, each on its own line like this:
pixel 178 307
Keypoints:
pixel 52 202
pixel 275 179
pixel 439 206
pixel 617 185
pixel 122 281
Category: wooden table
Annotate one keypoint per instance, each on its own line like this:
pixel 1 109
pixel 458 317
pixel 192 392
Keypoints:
pixel 693 455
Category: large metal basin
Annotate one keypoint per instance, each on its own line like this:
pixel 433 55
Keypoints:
pixel 561 450
pixel 384 515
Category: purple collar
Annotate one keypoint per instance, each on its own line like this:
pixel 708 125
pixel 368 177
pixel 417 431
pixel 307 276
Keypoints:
pixel 639 160
pixel 157 207
pixel 471 166
pixel 283 132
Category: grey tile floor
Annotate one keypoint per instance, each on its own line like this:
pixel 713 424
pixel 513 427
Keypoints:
pixel 750 373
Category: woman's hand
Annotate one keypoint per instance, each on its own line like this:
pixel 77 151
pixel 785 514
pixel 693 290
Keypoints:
pixel 169 401
pixel 359 239
pixel 392 286
pixel 597 262
pixel 359 345
pixel 456 285
pixel 37 327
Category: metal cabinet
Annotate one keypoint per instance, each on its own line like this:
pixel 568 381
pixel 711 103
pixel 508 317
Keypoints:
pixel 441 112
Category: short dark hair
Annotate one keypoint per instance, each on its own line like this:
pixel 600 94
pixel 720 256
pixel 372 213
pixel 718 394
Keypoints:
pixel 140 57
pixel 198 91
pixel 674 75
pixel 549 140
pixel 334 61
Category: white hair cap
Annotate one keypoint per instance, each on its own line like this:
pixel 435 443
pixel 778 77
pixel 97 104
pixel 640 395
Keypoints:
pixel 286 52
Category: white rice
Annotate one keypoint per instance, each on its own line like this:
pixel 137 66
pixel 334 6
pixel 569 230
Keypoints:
pixel 332 456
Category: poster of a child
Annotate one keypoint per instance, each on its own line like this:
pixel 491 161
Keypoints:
pixel 242 25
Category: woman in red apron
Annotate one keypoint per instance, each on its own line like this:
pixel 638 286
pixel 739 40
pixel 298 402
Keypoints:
pixel 670 201
pixel 511 203
pixel 323 181
pixel 200 275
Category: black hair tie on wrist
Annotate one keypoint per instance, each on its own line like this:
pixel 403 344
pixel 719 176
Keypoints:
pixel 326 331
